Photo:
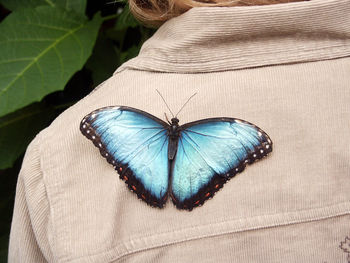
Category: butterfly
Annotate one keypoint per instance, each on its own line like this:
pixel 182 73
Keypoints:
pixel 156 159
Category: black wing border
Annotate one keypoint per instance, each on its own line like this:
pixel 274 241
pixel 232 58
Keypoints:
pixel 124 172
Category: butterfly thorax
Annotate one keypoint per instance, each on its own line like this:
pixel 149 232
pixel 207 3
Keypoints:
pixel 174 133
pixel 174 128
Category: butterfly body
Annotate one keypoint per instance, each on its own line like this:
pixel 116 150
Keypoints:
pixel 174 135
pixel 190 162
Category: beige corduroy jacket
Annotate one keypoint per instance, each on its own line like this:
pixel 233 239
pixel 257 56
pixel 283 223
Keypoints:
pixel 285 68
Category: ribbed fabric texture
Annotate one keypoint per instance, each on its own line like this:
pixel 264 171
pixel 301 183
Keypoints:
pixel 292 206
pixel 207 39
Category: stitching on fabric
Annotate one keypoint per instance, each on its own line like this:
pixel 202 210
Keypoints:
pixel 38 145
pixel 228 233
pixel 298 50
pixel 286 222
pixel 136 63
pixel 55 223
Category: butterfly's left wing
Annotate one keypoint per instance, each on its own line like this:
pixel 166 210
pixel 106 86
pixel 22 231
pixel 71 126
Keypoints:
pixel 136 144
pixel 210 152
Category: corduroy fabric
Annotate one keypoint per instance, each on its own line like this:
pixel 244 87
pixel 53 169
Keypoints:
pixel 242 37
pixel 292 206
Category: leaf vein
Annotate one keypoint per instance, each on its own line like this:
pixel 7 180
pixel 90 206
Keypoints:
pixel 15 60
pixel 61 61
pixel 70 32
pixel 26 40
pixel 81 47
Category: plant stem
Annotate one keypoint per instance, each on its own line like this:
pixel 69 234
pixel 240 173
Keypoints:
pixel 110 17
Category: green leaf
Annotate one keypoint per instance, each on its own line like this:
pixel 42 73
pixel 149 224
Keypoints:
pixel 78 6
pixel 126 20
pixel 40 49
pixel 15 4
pixel 19 128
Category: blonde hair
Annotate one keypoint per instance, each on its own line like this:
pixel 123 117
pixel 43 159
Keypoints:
pixel 154 13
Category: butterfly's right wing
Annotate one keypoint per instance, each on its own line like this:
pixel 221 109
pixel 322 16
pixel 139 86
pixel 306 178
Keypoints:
pixel 209 153
pixel 136 144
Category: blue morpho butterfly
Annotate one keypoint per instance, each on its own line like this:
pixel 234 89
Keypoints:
pixel 190 162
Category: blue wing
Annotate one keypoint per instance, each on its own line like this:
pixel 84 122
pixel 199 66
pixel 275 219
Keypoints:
pixel 136 144
pixel 210 152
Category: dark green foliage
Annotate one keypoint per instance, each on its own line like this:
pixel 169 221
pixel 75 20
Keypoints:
pixel 53 53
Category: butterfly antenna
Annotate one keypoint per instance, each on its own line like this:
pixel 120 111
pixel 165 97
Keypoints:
pixel 165 102
pixel 185 104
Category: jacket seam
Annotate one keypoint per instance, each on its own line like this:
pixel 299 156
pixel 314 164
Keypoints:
pixel 228 233
pixel 298 50
pixel 311 218
pixel 38 140
pixel 135 63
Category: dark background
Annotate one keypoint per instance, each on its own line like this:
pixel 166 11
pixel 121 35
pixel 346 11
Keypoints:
pixel 117 38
